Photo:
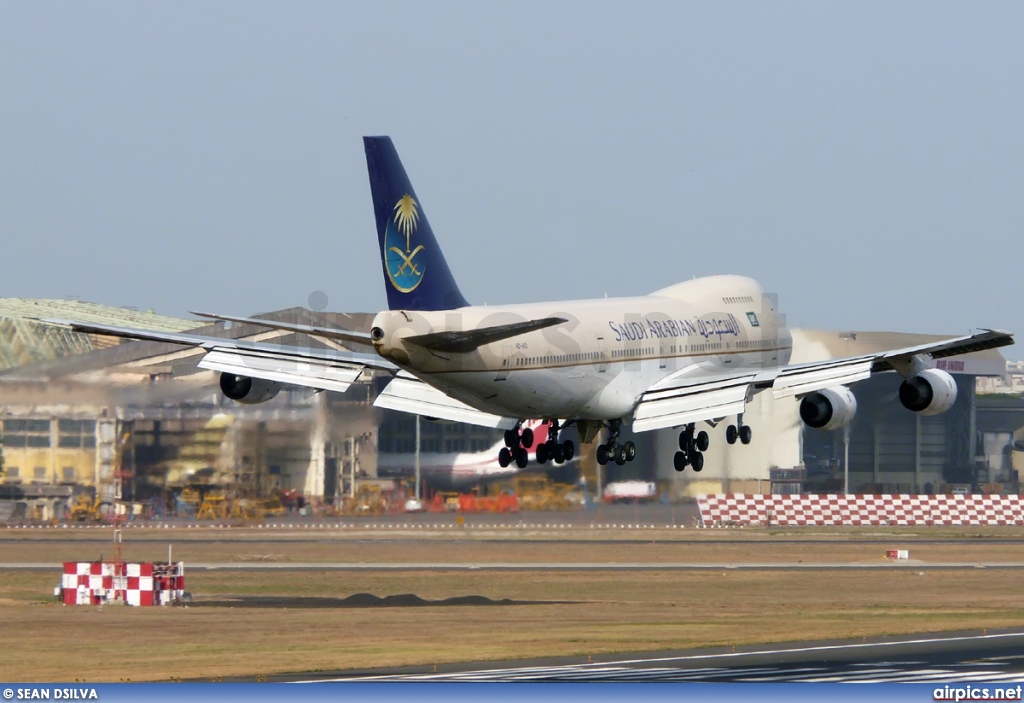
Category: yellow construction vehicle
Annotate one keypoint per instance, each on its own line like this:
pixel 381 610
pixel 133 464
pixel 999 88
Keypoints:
pixel 214 507
pixel 85 508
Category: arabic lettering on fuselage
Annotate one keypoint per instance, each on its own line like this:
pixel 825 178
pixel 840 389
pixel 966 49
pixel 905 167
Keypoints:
pixel 660 329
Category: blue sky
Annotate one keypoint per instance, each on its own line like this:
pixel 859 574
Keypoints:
pixel 863 160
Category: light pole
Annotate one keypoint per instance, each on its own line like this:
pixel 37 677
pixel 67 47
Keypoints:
pixel 417 457
pixel 846 460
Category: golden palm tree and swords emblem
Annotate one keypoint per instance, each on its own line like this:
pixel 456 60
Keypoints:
pixel 404 272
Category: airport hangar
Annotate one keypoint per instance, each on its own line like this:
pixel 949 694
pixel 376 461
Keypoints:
pixel 82 411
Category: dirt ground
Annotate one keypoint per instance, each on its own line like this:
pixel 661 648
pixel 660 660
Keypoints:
pixel 258 623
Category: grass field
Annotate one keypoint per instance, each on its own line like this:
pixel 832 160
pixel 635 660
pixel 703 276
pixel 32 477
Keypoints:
pixel 253 623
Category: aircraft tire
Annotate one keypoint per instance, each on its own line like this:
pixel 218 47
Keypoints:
pixel 683 441
pixel 557 455
pixel 568 450
pixel 630 451
pixel 746 434
pixel 511 439
pixel 542 453
pixel 602 455
pixel 679 461
pixel 522 458
pixel 526 438
pixel 698 461
pixel 620 455
pixel 731 434
pixel 504 457
pixel 703 441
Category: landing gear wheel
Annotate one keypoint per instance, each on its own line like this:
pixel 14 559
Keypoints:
pixel 702 441
pixel 746 434
pixel 526 438
pixel 684 441
pixel 557 455
pixel 504 457
pixel 511 439
pixel 602 455
pixel 542 453
pixel 697 461
pixel 522 458
pixel 620 455
pixel 630 451
pixel 679 461
pixel 731 434
pixel 568 450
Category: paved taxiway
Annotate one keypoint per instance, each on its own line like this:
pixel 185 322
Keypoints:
pixel 943 658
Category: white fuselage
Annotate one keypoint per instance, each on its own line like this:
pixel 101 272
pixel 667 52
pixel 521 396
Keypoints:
pixel 457 470
pixel 609 352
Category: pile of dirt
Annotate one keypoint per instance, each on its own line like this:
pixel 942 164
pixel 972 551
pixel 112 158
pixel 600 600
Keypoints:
pixel 357 600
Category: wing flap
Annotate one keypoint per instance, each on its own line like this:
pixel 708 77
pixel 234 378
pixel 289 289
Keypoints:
pixel 282 368
pixel 683 404
pixel 800 380
pixel 406 393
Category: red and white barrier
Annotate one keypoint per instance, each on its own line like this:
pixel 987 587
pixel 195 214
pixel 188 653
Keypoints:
pixel 736 508
pixel 96 583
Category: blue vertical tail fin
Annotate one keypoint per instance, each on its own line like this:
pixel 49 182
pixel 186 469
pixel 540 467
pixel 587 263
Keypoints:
pixel 415 273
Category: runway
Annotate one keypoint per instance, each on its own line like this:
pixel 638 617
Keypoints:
pixel 561 566
pixel 951 658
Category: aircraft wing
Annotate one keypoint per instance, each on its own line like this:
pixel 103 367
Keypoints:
pixel 323 369
pixel 408 394
pixel 469 340
pixel 338 335
pixel 692 396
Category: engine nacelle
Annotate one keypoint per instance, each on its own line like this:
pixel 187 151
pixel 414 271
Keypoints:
pixel 247 390
pixel 828 409
pixel 928 393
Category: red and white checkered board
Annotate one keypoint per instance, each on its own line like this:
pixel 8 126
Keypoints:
pixel 736 508
pixel 93 583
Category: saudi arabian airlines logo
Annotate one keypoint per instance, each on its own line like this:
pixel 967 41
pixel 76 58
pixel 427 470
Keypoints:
pixel 404 270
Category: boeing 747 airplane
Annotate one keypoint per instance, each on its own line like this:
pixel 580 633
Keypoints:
pixel 694 352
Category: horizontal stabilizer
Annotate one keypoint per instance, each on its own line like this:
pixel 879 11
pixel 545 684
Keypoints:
pixel 469 340
pixel 283 368
pixel 408 394
pixel 339 335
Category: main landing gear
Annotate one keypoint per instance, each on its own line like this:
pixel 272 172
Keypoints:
pixel 692 446
pixel 739 430
pixel 516 444
pixel 612 450
pixel 519 442
pixel 552 449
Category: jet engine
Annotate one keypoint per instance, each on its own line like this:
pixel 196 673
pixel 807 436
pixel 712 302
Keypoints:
pixel 828 409
pixel 247 390
pixel 928 393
